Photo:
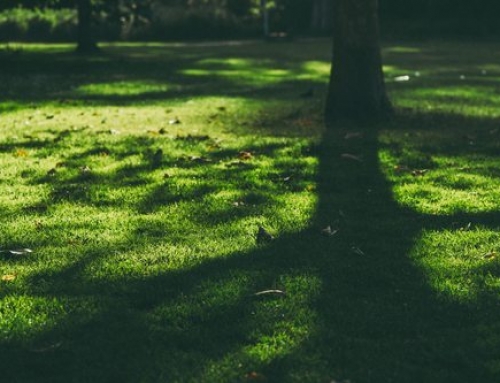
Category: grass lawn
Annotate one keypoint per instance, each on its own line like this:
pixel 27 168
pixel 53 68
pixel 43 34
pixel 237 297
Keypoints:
pixel 133 185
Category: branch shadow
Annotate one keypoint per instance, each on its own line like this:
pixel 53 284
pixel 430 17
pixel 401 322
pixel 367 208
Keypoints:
pixel 376 317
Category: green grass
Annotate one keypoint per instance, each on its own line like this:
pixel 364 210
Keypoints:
pixel 145 267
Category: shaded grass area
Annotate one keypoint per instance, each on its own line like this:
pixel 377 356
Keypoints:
pixel 139 179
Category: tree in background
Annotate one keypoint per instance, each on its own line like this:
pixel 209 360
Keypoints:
pixel 322 16
pixel 356 90
pixel 85 39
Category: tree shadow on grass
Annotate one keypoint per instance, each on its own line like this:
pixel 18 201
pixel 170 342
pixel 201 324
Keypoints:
pixel 379 318
pixel 357 306
pixel 145 74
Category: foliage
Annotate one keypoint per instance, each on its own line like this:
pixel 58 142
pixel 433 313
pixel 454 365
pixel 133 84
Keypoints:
pixel 38 24
pixel 185 19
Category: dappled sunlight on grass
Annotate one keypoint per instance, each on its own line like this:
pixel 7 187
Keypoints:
pixel 402 49
pixel 140 178
pixel 429 178
pixel 479 100
pixel 259 71
pixel 122 88
pixel 467 267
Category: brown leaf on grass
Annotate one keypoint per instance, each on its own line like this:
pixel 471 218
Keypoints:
pixel 8 277
pixel 352 157
pixel 244 155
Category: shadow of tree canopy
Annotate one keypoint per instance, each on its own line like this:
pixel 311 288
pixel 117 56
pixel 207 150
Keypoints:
pixel 147 73
pixel 375 316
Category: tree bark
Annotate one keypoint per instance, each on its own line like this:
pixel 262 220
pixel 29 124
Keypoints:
pixel 85 40
pixel 356 90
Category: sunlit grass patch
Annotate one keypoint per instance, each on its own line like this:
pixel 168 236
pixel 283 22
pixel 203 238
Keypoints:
pixel 462 264
pixel 122 88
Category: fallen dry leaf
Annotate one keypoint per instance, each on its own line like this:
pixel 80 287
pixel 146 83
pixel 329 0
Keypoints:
pixel 352 135
pixel 270 292
pixel 245 155
pixel 402 78
pixel 328 231
pixel 8 277
pixel 356 250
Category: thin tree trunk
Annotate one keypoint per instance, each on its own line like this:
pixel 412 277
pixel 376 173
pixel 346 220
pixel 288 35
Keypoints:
pixel 85 40
pixel 356 89
pixel 322 16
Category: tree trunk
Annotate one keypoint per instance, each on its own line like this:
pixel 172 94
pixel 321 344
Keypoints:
pixel 356 90
pixel 86 43
pixel 322 16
